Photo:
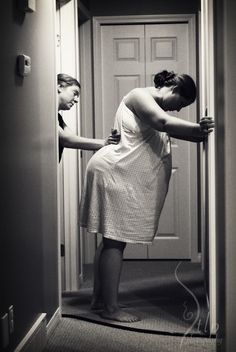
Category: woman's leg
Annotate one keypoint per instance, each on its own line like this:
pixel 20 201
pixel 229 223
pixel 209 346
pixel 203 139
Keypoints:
pixel 97 298
pixel 110 266
pixel 97 301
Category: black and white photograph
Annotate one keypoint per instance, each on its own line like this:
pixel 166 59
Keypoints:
pixel 118 199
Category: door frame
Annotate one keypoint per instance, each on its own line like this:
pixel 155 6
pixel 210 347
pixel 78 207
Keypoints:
pixel 98 21
pixel 70 167
pixel 208 174
pixel 206 82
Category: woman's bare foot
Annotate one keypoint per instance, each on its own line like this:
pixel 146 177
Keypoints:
pixel 119 315
pixel 97 304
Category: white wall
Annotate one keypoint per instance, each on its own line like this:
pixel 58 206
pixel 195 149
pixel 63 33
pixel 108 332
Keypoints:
pixel 226 170
pixel 28 157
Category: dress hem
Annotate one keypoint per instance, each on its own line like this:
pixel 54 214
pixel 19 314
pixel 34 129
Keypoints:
pixel 117 239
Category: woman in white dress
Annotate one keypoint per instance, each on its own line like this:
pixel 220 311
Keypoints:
pixel 126 184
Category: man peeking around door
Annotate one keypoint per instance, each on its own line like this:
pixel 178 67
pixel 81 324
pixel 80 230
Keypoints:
pixel 68 89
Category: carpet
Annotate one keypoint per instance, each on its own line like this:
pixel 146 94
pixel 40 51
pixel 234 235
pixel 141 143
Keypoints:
pixel 76 335
pixel 168 296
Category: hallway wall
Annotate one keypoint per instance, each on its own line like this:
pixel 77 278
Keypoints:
pixel 28 187
pixel 226 170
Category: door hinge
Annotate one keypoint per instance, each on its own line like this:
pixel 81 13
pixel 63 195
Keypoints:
pixel 58 40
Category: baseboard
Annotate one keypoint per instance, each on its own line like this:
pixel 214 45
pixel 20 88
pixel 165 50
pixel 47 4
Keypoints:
pixel 36 338
pixel 54 321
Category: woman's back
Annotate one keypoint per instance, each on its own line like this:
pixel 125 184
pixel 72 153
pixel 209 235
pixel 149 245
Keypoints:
pixel 126 184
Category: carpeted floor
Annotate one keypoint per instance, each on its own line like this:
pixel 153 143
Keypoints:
pixel 168 296
pixel 73 335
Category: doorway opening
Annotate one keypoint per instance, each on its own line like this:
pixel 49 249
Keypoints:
pixel 89 125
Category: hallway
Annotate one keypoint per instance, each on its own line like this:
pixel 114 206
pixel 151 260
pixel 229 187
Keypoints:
pixel 30 269
pixel 168 296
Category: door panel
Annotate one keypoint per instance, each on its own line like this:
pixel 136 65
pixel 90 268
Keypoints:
pixel 122 67
pixel 167 48
pixel 131 55
pixel 173 240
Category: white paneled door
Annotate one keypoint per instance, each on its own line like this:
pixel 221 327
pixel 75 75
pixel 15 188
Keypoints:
pixel 130 55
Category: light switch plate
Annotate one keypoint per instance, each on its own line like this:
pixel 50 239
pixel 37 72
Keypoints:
pixel 24 65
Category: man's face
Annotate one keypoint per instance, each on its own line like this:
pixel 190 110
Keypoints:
pixel 67 96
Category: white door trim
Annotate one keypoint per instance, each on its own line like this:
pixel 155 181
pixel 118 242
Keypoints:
pixel 145 19
pixel 207 100
pixel 68 62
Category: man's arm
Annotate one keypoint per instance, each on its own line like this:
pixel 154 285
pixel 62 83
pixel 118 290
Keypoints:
pixel 70 140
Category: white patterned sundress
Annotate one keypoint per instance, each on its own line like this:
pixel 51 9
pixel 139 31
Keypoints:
pixel 126 184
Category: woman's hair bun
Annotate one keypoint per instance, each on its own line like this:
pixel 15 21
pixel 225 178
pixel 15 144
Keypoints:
pixel 183 83
pixel 164 78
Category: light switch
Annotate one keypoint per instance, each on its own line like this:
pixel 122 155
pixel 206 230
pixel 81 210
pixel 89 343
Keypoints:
pixel 24 65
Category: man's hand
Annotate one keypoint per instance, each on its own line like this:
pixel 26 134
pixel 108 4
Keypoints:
pixel 114 137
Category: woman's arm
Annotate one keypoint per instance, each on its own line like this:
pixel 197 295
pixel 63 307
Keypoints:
pixel 151 113
pixel 206 125
pixel 189 138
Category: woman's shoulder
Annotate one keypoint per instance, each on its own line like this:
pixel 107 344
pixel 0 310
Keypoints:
pixel 135 94
pixel 138 96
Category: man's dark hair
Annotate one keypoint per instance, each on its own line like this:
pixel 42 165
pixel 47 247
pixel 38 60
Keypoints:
pixel 65 80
